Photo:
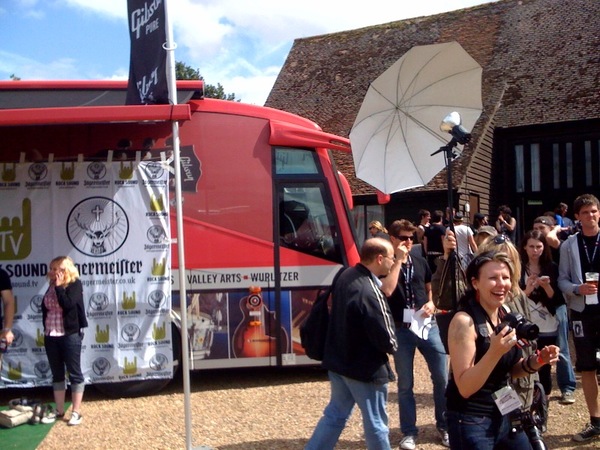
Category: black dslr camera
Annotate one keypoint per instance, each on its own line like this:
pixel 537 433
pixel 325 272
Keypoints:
pixel 523 327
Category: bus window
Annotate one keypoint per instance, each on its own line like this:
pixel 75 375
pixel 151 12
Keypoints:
pixel 306 223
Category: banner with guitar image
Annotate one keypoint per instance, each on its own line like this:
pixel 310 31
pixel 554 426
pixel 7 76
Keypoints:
pixel 112 219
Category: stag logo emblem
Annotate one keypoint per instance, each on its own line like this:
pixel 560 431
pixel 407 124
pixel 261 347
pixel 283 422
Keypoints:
pixel 97 226
pixel 36 303
pixel 158 362
pixel 157 298
pixel 154 170
pixel 42 369
pixel 98 301
pixel 130 332
pixel 157 235
pixel 101 366
pixel 18 338
pixel 38 171
pixel 96 170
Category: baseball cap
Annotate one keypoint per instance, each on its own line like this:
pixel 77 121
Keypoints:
pixel 487 229
pixel 546 220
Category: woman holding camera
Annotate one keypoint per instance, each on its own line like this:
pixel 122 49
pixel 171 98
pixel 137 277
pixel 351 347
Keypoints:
pixel 483 359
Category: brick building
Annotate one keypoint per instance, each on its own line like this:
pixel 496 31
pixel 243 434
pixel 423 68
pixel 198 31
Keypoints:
pixel 537 141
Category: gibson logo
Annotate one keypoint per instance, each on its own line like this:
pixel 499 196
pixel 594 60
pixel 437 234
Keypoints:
pixel 143 16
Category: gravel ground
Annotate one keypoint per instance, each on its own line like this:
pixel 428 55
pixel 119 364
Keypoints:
pixel 254 409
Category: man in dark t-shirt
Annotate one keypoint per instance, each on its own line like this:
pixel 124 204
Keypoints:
pixel 432 240
pixel 408 289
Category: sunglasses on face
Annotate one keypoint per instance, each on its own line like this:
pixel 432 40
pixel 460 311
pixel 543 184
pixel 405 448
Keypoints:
pixel 404 238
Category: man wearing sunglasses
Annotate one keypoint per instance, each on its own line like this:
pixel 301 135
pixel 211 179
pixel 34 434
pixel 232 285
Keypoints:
pixel 408 288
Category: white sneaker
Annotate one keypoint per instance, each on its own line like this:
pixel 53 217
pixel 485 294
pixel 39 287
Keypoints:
pixel 567 398
pixel 75 419
pixel 408 442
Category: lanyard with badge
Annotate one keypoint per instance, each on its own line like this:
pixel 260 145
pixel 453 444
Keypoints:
pixel 590 299
pixel 407 275
pixel 507 400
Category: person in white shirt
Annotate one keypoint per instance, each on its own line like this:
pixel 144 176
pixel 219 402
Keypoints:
pixel 465 241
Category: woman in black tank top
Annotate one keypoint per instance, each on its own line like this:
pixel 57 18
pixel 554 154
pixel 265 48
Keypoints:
pixel 483 361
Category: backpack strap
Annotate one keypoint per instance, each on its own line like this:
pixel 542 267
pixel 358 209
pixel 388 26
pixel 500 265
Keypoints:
pixel 337 275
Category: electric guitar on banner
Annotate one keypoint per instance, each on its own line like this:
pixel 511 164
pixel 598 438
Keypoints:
pixel 253 337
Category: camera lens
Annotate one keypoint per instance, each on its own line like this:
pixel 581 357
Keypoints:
pixel 523 327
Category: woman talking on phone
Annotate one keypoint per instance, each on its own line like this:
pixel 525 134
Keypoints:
pixel 64 318
pixel 484 357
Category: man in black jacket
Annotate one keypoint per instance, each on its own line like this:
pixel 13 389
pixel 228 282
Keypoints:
pixel 360 337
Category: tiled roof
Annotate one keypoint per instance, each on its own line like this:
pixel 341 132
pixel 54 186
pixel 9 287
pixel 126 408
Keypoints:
pixel 540 62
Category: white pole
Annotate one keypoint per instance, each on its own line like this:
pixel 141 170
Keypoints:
pixel 171 79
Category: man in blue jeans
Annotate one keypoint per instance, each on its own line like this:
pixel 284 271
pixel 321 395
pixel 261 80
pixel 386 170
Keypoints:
pixel 408 288
pixel 359 338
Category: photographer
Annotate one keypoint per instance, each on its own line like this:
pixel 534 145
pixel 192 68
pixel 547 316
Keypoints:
pixel 484 357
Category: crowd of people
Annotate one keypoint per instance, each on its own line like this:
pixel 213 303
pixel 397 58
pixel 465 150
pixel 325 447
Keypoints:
pixel 489 333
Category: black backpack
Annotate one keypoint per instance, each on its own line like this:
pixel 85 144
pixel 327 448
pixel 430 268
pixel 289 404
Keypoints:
pixel 313 332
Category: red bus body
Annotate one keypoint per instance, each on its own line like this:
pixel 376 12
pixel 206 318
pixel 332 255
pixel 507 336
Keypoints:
pixel 265 212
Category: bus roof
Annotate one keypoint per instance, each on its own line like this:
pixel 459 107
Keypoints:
pixel 49 102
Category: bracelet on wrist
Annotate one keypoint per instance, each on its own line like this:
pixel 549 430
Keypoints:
pixel 529 366
pixel 525 369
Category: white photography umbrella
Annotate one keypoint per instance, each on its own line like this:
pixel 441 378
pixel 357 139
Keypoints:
pixel 398 125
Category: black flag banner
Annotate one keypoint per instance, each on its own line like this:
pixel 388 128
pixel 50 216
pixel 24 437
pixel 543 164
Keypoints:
pixel 148 59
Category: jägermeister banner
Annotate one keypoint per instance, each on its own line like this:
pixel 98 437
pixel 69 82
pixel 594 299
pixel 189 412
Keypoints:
pixel 113 220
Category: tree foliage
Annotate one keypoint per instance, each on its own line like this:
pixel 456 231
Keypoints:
pixel 185 72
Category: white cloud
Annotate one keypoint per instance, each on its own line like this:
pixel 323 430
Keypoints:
pixel 238 43
pixel 108 8
pixel 29 69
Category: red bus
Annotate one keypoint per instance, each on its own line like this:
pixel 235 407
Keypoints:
pixel 266 214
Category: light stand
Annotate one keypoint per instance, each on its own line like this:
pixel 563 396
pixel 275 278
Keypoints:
pixel 451 124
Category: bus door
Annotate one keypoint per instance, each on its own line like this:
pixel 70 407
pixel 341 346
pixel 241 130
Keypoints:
pixel 308 250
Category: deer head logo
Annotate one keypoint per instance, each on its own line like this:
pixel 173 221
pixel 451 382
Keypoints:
pixel 97 226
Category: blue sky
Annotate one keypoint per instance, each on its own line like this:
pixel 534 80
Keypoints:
pixel 241 44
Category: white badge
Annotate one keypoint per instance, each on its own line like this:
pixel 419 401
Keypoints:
pixel 408 315
pixel 507 400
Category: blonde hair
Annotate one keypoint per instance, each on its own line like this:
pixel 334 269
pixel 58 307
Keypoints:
pixel 502 244
pixel 377 224
pixel 71 272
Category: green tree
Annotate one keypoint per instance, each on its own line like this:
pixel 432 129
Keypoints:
pixel 185 72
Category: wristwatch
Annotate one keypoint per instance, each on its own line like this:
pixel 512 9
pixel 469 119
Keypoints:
pixel 576 290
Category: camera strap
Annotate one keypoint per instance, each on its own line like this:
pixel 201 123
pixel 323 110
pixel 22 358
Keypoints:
pixel 481 319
